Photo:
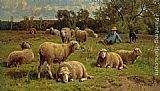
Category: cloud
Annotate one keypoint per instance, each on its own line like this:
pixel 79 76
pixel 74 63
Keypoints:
pixel 24 4
pixel 41 8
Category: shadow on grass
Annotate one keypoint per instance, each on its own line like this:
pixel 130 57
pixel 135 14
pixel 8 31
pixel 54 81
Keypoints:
pixel 32 75
pixel 3 64
pixel 93 65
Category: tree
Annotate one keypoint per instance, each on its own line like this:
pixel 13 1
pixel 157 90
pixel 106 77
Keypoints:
pixel 41 19
pixel 26 22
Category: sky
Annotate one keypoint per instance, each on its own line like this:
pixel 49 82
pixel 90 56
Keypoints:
pixel 46 9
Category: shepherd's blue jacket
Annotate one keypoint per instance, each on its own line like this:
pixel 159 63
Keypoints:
pixel 113 37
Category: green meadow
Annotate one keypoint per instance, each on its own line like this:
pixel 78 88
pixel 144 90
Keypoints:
pixel 139 76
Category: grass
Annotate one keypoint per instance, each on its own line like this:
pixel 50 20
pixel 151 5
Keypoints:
pixel 24 77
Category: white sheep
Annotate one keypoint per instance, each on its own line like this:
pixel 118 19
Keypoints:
pixel 65 35
pixel 21 57
pixel 129 56
pixel 54 31
pixel 71 70
pixel 55 53
pixel 110 60
pixel 81 36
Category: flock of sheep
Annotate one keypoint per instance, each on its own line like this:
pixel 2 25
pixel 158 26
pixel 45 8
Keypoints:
pixel 57 53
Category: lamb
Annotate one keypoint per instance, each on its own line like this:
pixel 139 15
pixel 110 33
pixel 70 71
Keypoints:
pixel 21 57
pixel 81 36
pixel 71 70
pixel 65 35
pixel 129 56
pixel 110 60
pixel 32 31
pixel 55 53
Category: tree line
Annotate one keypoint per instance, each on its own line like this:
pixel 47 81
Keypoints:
pixel 137 15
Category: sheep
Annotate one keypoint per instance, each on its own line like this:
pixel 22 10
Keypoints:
pixel 90 32
pixel 21 57
pixel 55 53
pixel 95 35
pixel 32 31
pixel 129 56
pixel 47 31
pixel 110 60
pixel 55 32
pixel 71 70
pixel 72 33
pixel 65 35
pixel 81 36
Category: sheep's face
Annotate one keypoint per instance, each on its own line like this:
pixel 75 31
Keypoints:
pixel 75 45
pixel 63 33
pixel 137 52
pixel 64 74
pixel 103 53
pixel 25 45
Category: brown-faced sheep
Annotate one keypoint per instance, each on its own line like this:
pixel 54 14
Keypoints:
pixel 110 60
pixel 55 53
pixel 71 70
pixel 32 31
pixel 81 36
pixel 21 57
pixel 65 35
pixel 129 56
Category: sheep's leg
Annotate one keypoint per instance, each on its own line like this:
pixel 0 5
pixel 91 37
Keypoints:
pixel 39 69
pixel 49 70
pixel 82 79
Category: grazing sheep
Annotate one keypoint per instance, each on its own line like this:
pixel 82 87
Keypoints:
pixel 55 32
pixel 90 32
pixel 32 31
pixel 71 70
pixel 129 56
pixel 65 35
pixel 81 36
pixel 110 60
pixel 72 33
pixel 47 31
pixel 55 53
pixel 95 35
pixel 21 57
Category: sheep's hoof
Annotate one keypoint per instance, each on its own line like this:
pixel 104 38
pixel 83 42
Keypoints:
pixel 120 68
pixel 82 79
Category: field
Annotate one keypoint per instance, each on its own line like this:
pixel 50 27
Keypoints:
pixel 138 77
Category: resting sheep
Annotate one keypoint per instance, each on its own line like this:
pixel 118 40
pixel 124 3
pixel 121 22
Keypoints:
pixel 21 57
pixel 65 35
pixel 32 31
pixel 71 70
pixel 110 60
pixel 129 56
pixel 81 36
pixel 55 53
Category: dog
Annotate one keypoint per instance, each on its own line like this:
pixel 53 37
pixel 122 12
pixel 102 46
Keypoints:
pixel 132 36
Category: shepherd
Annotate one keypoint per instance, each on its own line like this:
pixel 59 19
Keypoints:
pixel 113 37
